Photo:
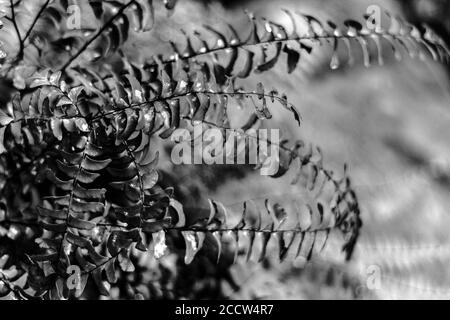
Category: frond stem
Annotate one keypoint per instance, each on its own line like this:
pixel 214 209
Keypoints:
pixel 44 6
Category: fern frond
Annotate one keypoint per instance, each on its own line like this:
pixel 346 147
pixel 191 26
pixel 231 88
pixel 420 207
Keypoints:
pixel 115 35
pixel 12 281
pixel 316 179
pixel 104 197
pixel 253 230
pixel 236 56
pixel 173 99
pixel 226 50
pixel 35 20
pixel 115 29
pixel 49 28
pixel 48 103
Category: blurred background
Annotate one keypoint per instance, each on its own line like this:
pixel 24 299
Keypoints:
pixel 390 124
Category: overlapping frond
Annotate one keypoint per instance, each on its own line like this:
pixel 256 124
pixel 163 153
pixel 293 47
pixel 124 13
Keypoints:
pixel 105 198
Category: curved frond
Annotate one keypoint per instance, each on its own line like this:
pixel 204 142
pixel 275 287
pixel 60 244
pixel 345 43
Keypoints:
pixel 231 54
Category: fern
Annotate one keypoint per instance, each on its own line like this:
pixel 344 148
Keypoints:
pixel 87 163
pixel 228 55
pixel 9 277
pixel 115 19
pixel 78 148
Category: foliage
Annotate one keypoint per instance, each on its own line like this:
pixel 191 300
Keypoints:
pixel 79 178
